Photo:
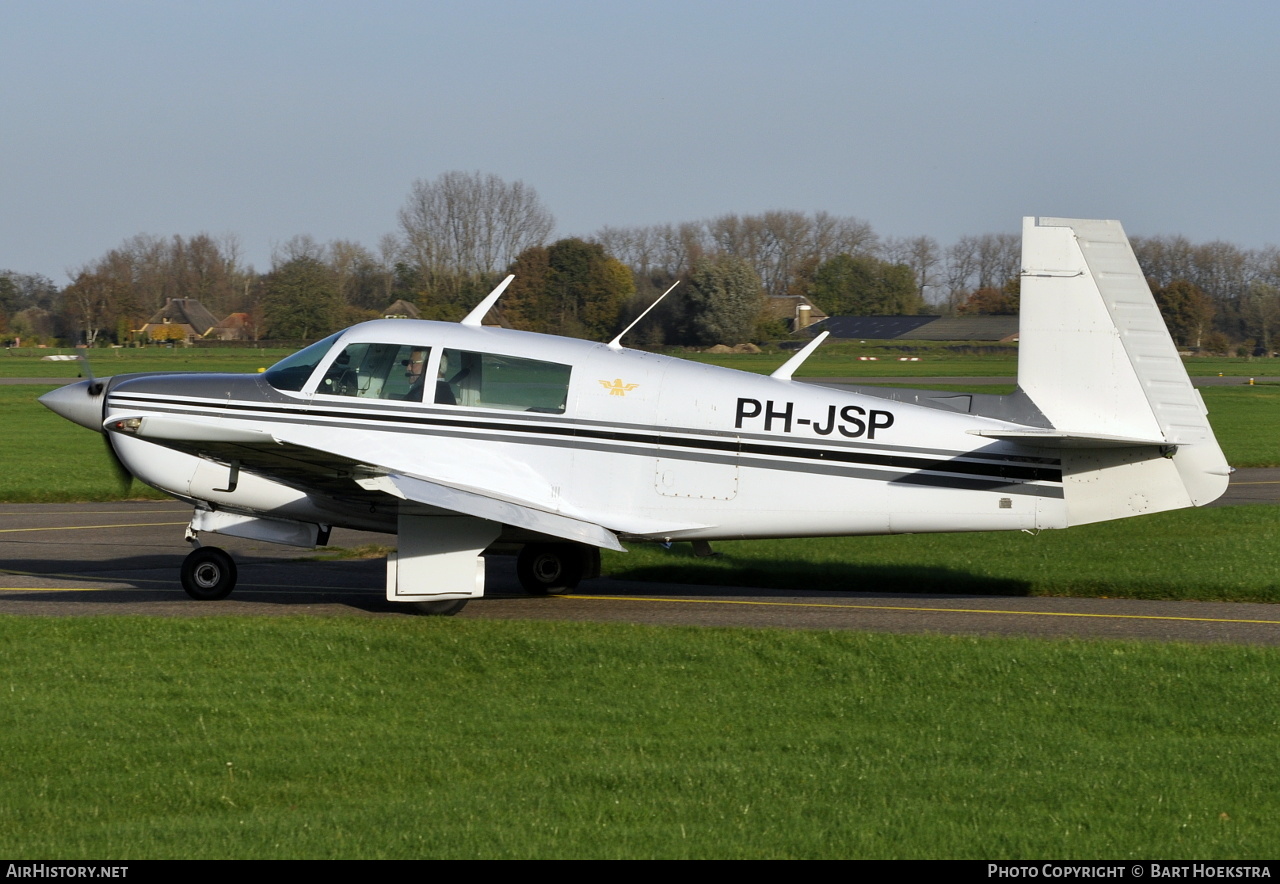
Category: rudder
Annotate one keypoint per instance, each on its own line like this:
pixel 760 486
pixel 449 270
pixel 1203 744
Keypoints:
pixel 1096 358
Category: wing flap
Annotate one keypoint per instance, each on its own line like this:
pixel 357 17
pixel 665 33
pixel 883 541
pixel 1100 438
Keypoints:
pixel 483 506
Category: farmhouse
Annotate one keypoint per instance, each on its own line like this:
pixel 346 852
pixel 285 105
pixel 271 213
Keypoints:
pixel 180 319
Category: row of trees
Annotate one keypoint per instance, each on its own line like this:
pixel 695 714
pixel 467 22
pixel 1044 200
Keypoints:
pixel 459 233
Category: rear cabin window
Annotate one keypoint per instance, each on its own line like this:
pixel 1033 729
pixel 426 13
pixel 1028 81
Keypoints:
pixel 377 371
pixel 509 383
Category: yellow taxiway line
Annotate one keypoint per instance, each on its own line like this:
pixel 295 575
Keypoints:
pixel 91 527
pixel 607 598
pixel 270 588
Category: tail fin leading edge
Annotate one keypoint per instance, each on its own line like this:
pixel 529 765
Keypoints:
pixel 1097 360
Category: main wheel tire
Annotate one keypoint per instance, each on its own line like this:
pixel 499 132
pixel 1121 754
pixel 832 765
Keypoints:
pixel 545 568
pixel 445 608
pixel 208 574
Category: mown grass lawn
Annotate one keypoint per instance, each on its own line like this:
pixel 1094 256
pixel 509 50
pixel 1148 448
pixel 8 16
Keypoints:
pixel 131 738
pixel 1222 554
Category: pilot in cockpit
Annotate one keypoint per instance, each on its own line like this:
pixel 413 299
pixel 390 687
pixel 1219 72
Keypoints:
pixel 414 370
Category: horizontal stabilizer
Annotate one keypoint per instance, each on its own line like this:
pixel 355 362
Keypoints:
pixel 1058 439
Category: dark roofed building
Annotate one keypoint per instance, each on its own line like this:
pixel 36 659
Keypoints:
pixel 969 328
pixel 797 311
pixel 401 309
pixel 875 328
pixel 236 327
pixel 180 319
pixel 921 328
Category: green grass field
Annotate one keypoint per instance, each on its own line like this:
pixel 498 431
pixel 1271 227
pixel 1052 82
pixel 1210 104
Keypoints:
pixel 400 737
pixel 29 363
pixel 938 358
pixel 1222 554
pixel 833 359
pixel 132 738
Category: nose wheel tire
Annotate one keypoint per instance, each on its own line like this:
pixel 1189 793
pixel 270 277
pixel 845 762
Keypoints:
pixel 208 574
pixel 546 568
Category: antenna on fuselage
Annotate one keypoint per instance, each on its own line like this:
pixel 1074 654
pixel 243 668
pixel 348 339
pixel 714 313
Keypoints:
pixel 788 368
pixel 477 314
pixel 616 343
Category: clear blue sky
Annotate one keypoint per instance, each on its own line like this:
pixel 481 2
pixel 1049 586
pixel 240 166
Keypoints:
pixel 272 119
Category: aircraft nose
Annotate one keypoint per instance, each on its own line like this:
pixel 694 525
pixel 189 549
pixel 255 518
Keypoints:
pixel 77 403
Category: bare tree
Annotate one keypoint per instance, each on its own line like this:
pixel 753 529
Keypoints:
pixel 637 247
pixel 920 253
pixel 959 267
pixel 1261 311
pixel 304 245
pixel 470 224
pixel 782 246
pixel 91 300
pixel 999 259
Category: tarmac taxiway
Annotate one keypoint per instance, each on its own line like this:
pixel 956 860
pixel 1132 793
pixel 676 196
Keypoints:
pixel 123 558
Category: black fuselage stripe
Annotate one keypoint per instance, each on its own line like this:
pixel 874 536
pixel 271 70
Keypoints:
pixel 562 426
pixel 668 442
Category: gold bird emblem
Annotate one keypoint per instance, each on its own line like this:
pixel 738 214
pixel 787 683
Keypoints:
pixel 617 388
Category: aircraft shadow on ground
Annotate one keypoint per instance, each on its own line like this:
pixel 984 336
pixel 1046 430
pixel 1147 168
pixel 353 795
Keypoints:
pixel 358 583
pixel 830 577
pixel 355 583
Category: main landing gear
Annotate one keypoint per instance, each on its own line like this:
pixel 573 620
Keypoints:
pixel 208 574
pixel 551 568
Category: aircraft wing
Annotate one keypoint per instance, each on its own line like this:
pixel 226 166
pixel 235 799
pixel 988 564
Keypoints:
pixel 275 456
pixel 495 509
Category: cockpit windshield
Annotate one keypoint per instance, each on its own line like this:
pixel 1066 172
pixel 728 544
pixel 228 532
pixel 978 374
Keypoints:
pixel 292 372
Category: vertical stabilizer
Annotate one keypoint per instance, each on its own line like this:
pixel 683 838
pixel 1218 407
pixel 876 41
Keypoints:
pixel 1096 358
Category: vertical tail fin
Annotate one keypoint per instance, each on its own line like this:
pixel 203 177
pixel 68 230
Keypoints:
pixel 1096 358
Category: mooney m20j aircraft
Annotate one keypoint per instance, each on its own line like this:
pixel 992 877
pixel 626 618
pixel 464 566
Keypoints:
pixel 461 438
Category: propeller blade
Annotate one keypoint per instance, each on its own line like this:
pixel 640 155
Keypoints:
pixel 95 385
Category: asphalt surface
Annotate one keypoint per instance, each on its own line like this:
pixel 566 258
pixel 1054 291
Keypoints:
pixel 123 558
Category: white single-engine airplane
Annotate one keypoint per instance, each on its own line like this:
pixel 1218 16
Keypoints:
pixel 460 438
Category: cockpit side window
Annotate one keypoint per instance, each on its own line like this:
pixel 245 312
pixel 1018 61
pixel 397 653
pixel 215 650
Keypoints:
pixel 377 371
pixel 509 383
pixel 292 372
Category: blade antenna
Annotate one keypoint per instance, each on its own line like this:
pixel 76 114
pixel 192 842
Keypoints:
pixel 476 315
pixel 788 368
pixel 616 343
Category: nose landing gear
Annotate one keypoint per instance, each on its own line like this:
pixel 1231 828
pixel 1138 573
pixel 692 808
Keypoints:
pixel 208 574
